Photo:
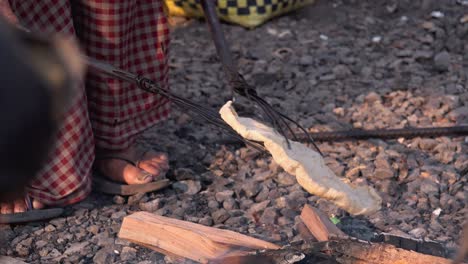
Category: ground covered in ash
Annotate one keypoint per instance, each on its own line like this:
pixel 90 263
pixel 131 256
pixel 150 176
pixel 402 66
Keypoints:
pixel 334 65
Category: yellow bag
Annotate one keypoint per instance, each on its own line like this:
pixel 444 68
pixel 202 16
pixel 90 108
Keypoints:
pixel 247 13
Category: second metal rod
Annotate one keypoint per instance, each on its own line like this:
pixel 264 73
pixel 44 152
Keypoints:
pixel 217 34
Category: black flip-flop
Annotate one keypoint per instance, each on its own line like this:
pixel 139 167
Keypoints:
pixel 106 186
pixel 31 215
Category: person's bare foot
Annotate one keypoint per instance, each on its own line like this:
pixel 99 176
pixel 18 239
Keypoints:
pixel 18 206
pixel 150 166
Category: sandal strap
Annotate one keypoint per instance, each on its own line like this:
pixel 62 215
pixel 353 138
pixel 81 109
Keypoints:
pixel 104 157
pixel 133 158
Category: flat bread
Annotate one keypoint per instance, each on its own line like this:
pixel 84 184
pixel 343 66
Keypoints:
pixel 306 164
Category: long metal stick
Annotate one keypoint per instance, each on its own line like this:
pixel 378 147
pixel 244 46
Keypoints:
pixel 147 85
pixel 237 81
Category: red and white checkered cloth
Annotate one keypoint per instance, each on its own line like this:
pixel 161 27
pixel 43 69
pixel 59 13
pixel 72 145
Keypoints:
pixel 129 34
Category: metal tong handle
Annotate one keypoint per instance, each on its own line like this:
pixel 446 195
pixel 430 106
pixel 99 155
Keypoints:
pixel 222 47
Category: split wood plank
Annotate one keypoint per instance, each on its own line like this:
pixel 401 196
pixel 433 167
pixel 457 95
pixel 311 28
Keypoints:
pixel 185 239
pixel 355 252
pixel 319 224
pixel 304 232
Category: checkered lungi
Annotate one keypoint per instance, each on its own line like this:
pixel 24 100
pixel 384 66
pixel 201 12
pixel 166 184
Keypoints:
pixel 107 113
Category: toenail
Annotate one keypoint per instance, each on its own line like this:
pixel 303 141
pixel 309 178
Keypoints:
pixel 144 176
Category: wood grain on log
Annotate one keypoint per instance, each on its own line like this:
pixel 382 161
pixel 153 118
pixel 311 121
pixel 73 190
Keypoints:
pixel 185 239
pixel 319 224
pixel 357 252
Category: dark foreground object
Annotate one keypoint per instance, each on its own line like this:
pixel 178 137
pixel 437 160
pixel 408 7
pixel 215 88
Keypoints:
pixel 36 86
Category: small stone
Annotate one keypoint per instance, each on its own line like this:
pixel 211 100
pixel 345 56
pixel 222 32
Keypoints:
pixel 41 243
pixel 49 228
pixel 220 216
pixel 341 71
pixel 119 215
pixel 230 204
pixel 284 221
pixel 383 174
pixel 442 61
pixel 206 221
pixel 418 232
pixel 117 199
pixel 134 199
pixel 128 253
pixel 251 188
pixel 258 207
pixel 59 223
pixel 27 242
pixel 44 252
pixel 460 114
pixel 183 174
pixel 151 206
pixel 372 97
pixel 103 256
pixel 122 242
pixel 76 248
pixel 223 195
pixel 263 194
pixel 428 187
pixel 427 143
pixel 236 221
pixel 22 251
pixel 187 187
pixel 376 39
pixel 327 77
pixel 282 202
pixel 10 260
pixel 94 229
pixel 306 60
pixel 289 213
pixel 54 253
pixel 437 14
pixel 103 239
pixel 285 179
pixel 264 175
pixel 269 216
pixel 212 204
